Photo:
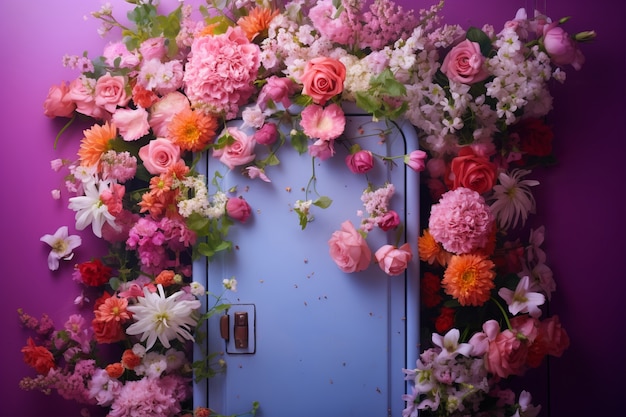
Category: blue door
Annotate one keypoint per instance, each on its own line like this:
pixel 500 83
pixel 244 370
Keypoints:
pixel 320 342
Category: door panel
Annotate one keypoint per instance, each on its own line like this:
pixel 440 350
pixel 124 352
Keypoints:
pixel 320 342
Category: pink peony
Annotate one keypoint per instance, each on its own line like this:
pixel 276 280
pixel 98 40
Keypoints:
pixel 465 63
pixel 560 46
pixel 221 70
pixel 59 103
pixel 392 260
pixel 239 152
pixel 159 155
pixel 461 221
pixel 267 134
pixel 132 123
pixel 325 123
pixel 348 249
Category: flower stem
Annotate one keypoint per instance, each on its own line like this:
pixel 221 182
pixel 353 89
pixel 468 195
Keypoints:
pixel 504 314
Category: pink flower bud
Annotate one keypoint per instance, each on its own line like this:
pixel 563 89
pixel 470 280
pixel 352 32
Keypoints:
pixel 415 160
pixel 360 162
pixel 238 209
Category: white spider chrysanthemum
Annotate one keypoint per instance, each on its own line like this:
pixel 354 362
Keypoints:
pixel 163 318
pixel 512 198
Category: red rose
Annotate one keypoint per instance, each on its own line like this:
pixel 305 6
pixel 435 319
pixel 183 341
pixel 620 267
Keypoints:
pixel 430 286
pixel 38 357
pixel 471 171
pixel 535 137
pixel 107 331
pixel 94 273
pixel 445 321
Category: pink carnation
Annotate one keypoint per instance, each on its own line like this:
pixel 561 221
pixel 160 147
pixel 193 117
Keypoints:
pixel 221 70
pixel 461 221
pixel 325 123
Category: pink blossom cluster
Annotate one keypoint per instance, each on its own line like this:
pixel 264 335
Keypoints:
pixel 152 239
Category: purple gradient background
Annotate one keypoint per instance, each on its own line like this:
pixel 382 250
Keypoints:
pixel 581 201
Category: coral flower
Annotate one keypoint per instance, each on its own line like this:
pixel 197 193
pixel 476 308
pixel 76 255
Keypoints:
pixel 257 22
pixel 113 309
pixel 192 130
pixel 469 279
pixel 96 142
pixel 38 357
pixel 430 251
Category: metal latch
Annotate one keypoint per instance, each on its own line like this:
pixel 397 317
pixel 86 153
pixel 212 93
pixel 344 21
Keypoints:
pixel 241 330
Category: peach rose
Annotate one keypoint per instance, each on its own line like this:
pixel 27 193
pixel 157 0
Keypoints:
pixel 59 103
pixel 471 171
pixel 392 260
pixel 158 155
pixel 323 79
pixel 348 249
pixel 465 63
pixel 111 92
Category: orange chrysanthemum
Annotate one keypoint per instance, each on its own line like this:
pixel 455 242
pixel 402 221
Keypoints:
pixel 192 130
pixel 257 22
pixel 96 142
pixel 469 279
pixel 430 251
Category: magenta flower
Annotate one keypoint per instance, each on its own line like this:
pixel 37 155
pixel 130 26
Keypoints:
pixel 62 246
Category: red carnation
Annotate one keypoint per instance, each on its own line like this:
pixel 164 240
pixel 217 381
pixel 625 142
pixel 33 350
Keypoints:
pixel 94 273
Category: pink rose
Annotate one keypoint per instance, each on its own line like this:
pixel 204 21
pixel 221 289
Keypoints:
pixel 59 103
pixel 562 49
pixel 132 123
pixel 239 152
pixel 158 155
pixel 360 162
pixel 323 79
pixel 506 354
pixel 238 209
pixel 278 90
pixel 82 96
pixel 465 63
pixel 153 48
pixel 348 249
pixel 322 149
pixel 393 261
pixel 267 134
pixel 111 92
pixel 390 220
pixel 416 160
pixel 162 111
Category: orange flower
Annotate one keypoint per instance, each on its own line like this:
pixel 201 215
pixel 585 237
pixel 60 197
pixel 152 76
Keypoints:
pixel 257 22
pixel 130 360
pixel 165 278
pixel 469 279
pixel 114 370
pixel 192 130
pixel 96 142
pixel 113 309
pixel 430 251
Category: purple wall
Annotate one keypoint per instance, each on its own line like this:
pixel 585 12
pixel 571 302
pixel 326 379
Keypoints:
pixel 581 201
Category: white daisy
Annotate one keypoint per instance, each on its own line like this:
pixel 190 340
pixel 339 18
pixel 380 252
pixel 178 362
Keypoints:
pixel 165 318
pixel 512 198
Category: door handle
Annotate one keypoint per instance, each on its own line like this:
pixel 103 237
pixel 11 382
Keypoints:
pixel 241 329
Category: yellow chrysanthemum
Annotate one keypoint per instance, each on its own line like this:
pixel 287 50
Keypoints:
pixel 469 279
pixel 95 143
pixel 257 22
pixel 192 130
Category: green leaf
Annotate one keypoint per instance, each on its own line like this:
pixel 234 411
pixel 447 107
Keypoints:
pixel 476 35
pixel 323 202
pixel 299 141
